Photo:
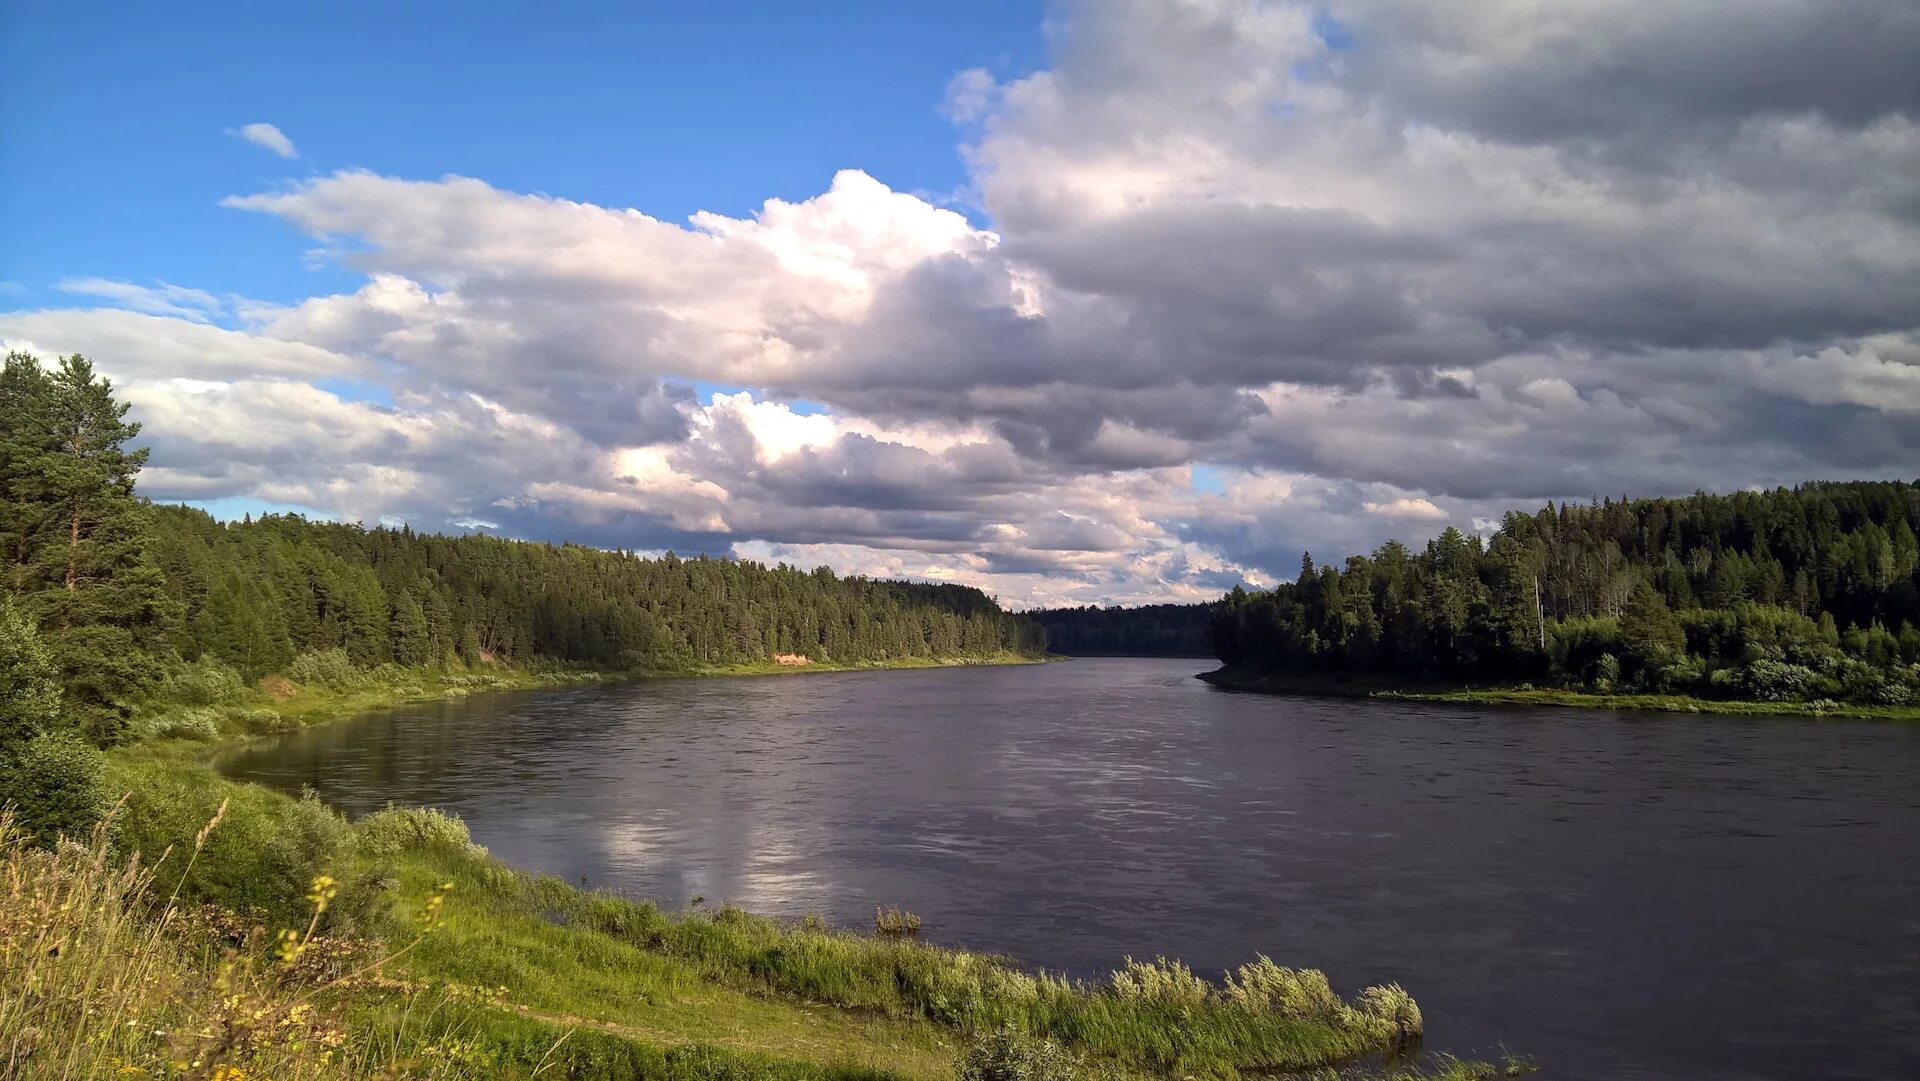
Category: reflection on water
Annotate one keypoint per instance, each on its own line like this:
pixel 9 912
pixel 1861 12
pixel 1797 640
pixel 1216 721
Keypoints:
pixel 1624 896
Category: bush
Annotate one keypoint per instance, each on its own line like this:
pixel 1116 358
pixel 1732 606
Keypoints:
pixel 1300 993
pixel 388 833
pixel 206 683
pixel 56 784
pixel 200 724
pixel 1778 681
pixel 329 668
pixel 1011 1055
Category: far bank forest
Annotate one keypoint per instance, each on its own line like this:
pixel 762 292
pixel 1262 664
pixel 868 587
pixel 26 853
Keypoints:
pixel 1804 595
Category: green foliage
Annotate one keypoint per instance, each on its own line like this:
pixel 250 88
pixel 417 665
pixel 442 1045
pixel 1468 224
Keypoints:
pixel 56 786
pixel 1162 983
pixel 328 603
pixel 329 668
pixel 1152 630
pixel 76 542
pixel 1765 596
pixel 200 724
pixel 29 682
pixel 386 834
pixel 1011 1055
pixel 204 683
pixel 1299 993
pixel 260 859
pixel 1390 1011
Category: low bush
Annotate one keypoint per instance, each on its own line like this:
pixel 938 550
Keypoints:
pixel 1012 1055
pixel 386 834
pixel 55 783
pixel 206 682
pixel 199 723
pixel 328 668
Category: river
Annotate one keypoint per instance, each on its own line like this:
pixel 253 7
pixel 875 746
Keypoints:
pixel 1620 895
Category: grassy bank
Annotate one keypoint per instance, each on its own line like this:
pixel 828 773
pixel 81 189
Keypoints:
pixel 1368 687
pixel 528 958
pixel 179 966
pixel 209 705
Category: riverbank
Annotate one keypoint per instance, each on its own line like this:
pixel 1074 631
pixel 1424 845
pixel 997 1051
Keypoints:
pixel 1374 687
pixel 305 704
pixel 540 971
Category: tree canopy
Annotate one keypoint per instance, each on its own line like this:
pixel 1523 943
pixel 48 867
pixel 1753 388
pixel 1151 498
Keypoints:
pixel 1793 593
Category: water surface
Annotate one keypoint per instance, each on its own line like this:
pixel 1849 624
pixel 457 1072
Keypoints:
pixel 1622 895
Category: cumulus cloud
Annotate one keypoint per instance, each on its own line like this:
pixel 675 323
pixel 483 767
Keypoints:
pixel 268 136
pixel 1383 267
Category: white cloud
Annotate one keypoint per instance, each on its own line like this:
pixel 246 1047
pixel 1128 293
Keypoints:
pixel 268 136
pixel 1377 288
pixel 1410 509
pixel 194 305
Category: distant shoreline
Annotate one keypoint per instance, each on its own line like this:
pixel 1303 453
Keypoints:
pixel 1374 687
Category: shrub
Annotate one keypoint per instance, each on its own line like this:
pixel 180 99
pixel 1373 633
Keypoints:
pixel 388 833
pixel 262 720
pixel 329 668
pixel 1606 672
pixel 200 724
pixel 1778 681
pixel 1011 1055
pixel 1299 993
pixel 56 784
pixel 1164 983
pixel 895 923
pixel 29 682
pixel 204 683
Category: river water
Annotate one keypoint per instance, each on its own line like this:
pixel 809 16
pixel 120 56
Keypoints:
pixel 1619 895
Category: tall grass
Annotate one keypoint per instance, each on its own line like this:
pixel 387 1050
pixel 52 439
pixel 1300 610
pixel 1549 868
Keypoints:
pixel 1157 1017
pixel 102 975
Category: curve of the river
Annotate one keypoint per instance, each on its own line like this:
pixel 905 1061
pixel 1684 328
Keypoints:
pixel 1623 896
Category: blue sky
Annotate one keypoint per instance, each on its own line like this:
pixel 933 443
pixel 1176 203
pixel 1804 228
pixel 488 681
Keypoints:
pixel 117 156
pixel 1193 287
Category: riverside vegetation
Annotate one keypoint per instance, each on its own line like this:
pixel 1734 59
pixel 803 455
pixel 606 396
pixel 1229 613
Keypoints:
pixel 1804 599
pixel 157 920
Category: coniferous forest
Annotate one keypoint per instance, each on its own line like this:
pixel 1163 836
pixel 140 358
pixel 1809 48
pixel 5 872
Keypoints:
pixel 1804 594
pixel 1151 630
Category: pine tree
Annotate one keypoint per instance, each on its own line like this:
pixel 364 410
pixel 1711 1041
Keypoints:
pixel 87 578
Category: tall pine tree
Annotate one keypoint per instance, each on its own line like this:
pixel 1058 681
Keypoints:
pixel 80 566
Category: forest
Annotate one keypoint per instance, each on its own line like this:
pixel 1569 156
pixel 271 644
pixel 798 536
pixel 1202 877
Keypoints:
pixel 115 590
pixel 1152 630
pixel 1805 594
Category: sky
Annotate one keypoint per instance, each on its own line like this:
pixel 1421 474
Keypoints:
pixel 1082 302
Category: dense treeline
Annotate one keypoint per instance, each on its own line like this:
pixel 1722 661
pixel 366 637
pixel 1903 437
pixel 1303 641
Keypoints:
pixel 101 593
pixel 1794 594
pixel 1153 630
pixel 258 593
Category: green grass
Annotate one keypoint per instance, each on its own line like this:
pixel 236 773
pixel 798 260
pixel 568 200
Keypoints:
pixel 1414 691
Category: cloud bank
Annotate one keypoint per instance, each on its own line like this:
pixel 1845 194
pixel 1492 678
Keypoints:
pixel 1257 278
